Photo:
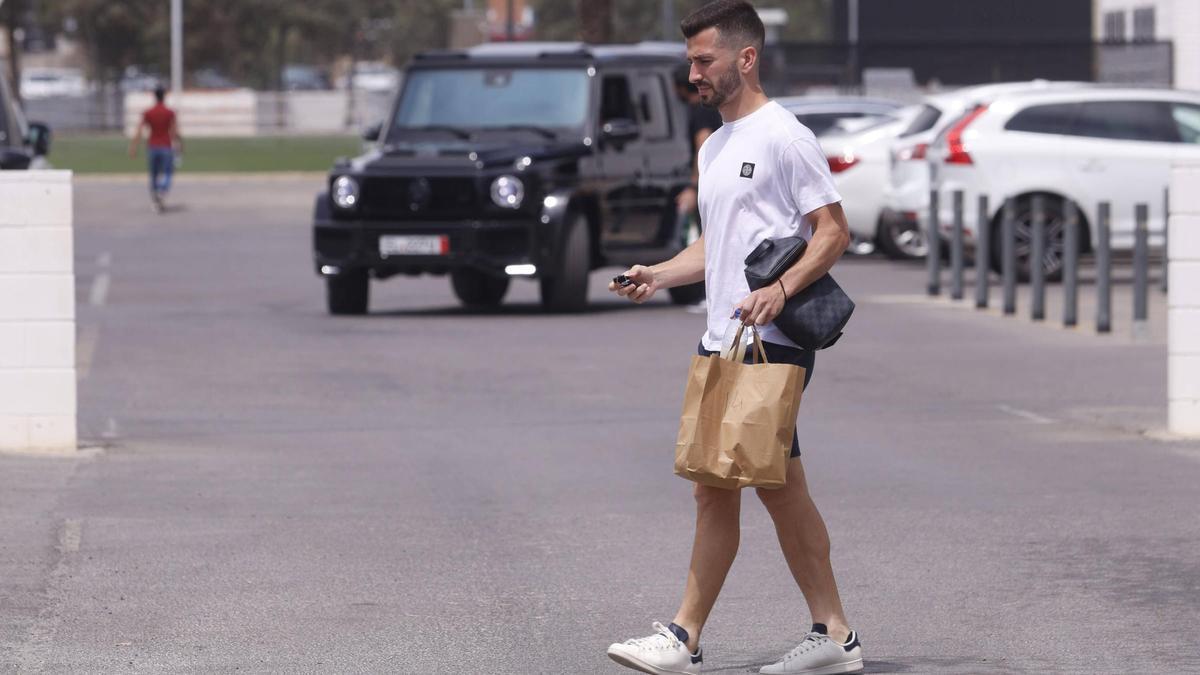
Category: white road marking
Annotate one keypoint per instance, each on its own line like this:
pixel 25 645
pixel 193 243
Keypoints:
pixel 1025 414
pixel 99 292
pixel 70 535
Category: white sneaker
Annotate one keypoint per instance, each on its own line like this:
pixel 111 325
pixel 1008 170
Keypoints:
pixel 820 654
pixel 660 654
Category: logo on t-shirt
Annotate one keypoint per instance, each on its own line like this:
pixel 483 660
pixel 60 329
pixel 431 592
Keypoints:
pixel 747 170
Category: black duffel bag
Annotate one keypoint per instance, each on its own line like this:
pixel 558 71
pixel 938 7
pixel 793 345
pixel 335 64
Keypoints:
pixel 814 317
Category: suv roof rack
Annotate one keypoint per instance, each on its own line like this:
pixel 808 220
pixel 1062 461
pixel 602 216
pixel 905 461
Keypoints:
pixel 551 50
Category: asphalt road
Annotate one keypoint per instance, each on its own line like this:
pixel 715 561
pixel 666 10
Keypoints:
pixel 427 490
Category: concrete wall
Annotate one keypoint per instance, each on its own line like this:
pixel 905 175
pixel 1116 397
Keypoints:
pixel 1183 303
pixel 246 113
pixel 201 113
pixel 1177 21
pixel 37 312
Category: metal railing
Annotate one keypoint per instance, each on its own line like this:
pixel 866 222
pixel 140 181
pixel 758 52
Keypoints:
pixel 1073 257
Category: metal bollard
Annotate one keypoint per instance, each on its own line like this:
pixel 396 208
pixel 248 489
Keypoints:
pixel 1008 255
pixel 1037 257
pixel 983 254
pixel 933 260
pixel 1071 265
pixel 956 249
pixel 1166 231
pixel 1141 269
pixel 1103 269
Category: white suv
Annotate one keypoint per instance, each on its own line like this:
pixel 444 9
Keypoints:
pixel 1087 146
pixel 906 195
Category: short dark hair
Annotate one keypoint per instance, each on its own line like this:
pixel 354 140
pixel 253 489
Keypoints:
pixel 736 22
pixel 159 93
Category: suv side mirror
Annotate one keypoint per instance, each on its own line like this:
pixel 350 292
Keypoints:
pixel 619 130
pixel 39 139
pixel 371 133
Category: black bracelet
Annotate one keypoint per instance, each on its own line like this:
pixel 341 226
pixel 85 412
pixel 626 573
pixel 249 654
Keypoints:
pixel 785 296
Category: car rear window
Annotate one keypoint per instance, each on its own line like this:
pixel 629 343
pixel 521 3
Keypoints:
pixel 1187 120
pixel 1045 119
pixel 1127 121
pixel 924 121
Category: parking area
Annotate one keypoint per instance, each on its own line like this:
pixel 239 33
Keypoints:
pixel 276 489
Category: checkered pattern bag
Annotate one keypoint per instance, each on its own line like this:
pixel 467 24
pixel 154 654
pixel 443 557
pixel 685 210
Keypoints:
pixel 814 317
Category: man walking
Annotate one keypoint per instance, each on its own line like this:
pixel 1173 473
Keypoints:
pixel 761 175
pixel 160 147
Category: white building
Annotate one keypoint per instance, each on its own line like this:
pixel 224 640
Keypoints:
pixel 1135 24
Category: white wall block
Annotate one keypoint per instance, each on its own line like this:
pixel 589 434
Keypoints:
pixel 1183 302
pixel 36 199
pixel 1183 280
pixel 14 431
pixel 52 431
pixel 1185 189
pixel 1184 237
pixel 51 344
pixel 12 344
pixel 1183 417
pixel 38 392
pixel 40 297
pixel 37 312
pixel 1183 377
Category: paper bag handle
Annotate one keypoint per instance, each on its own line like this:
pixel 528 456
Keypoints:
pixel 758 352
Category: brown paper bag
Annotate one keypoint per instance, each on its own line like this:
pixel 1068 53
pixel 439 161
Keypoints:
pixel 738 420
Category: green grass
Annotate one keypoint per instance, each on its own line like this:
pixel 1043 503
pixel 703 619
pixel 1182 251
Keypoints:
pixel 109 154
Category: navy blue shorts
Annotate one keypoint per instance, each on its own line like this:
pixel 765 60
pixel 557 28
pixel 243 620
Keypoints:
pixel 780 354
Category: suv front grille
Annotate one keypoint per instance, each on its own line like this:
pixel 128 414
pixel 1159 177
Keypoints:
pixel 416 198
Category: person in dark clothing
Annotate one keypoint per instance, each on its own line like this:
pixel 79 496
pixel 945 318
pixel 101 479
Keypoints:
pixel 702 121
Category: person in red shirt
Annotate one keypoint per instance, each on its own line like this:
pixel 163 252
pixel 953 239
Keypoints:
pixel 161 146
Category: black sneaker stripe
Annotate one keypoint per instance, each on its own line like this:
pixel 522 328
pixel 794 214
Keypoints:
pixel 852 642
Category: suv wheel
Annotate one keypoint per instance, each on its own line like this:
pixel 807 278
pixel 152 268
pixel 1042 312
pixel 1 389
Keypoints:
pixel 347 293
pixel 1052 264
pixel 478 289
pixel 567 292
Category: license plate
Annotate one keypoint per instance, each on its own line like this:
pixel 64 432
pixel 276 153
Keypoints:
pixel 396 244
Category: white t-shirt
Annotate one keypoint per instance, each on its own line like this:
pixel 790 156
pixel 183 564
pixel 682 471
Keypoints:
pixel 759 176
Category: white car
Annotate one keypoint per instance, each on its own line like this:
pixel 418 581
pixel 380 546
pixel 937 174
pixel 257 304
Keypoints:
pixel 1085 146
pixel 836 114
pixel 859 162
pixel 50 82
pixel 906 194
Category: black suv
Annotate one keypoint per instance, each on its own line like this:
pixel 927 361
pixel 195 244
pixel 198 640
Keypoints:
pixel 20 143
pixel 513 160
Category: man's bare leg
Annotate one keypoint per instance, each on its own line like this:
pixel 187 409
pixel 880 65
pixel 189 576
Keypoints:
pixel 718 528
pixel 805 544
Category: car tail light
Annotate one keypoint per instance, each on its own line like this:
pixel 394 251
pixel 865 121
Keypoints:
pixel 913 152
pixel 842 162
pixel 957 153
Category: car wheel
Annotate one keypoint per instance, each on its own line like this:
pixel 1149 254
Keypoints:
pixel 478 289
pixel 1052 262
pixel 567 291
pixel 902 240
pixel 347 293
pixel 687 295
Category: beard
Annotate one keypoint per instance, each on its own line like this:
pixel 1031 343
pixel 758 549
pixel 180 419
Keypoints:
pixel 726 85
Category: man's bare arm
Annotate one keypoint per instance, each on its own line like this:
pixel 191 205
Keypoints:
pixel 687 267
pixel 831 236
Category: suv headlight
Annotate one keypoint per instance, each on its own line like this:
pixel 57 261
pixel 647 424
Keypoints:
pixel 345 192
pixel 508 192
